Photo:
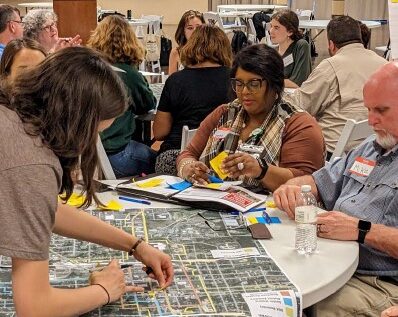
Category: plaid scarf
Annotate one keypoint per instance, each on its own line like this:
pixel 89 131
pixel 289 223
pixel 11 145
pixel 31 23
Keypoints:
pixel 234 119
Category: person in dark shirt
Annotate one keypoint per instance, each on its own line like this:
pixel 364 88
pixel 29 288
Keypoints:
pixel 295 51
pixel 192 93
pixel 117 41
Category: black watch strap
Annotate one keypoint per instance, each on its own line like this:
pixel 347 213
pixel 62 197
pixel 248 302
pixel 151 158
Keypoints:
pixel 264 168
pixel 363 229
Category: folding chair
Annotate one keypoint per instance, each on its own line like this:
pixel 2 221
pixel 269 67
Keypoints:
pixel 187 136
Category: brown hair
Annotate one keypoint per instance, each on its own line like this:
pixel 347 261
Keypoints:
pixel 62 101
pixel 13 48
pixel 290 21
pixel 115 38
pixel 207 43
pixel 180 32
pixel 343 30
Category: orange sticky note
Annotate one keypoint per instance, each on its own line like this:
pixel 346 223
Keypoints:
pixel 216 164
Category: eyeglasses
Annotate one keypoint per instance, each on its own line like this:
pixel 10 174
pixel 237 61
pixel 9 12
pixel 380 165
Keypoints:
pixel 50 27
pixel 19 22
pixel 253 85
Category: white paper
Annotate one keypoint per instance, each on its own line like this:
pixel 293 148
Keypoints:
pixel 236 253
pixel 288 60
pixel 393 22
pixel 272 303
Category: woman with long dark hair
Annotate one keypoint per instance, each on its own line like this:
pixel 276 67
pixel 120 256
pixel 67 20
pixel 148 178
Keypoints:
pixel 48 119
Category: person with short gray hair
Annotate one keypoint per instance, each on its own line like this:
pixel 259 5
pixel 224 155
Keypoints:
pixel 11 26
pixel 41 25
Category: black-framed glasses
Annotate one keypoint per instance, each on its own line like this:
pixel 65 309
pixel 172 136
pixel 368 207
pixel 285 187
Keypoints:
pixel 19 22
pixel 253 85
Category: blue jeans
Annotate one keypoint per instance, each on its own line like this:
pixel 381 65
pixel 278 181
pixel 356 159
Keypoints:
pixel 136 158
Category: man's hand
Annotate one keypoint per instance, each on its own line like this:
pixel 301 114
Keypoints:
pixel 337 225
pixel 390 312
pixel 159 262
pixel 285 198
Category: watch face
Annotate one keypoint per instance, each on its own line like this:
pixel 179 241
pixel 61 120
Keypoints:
pixel 364 225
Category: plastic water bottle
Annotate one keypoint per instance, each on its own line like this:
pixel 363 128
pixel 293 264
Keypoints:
pixel 305 216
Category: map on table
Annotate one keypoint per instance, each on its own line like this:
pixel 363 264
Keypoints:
pixel 219 269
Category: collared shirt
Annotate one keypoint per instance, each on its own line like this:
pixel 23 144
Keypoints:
pixel 372 198
pixel 2 47
pixel 333 91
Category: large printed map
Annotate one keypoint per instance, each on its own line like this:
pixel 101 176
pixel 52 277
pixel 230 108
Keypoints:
pixel 214 256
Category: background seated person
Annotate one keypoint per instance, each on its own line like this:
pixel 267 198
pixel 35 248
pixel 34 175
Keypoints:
pixel 289 140
pixel 333 92
pixel 41 25
pixel 360 192
pixel 192 93
pixel 295 51
pixel 189 21
pixel 18 55
pixel 115 38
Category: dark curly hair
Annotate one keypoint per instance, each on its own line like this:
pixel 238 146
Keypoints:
pixel 62 101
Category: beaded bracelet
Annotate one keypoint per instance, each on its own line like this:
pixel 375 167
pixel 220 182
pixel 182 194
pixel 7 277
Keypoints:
pixel 134 247
pixel 183 164
pixel 107 293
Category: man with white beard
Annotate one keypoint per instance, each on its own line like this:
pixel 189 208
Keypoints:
pixel 360 192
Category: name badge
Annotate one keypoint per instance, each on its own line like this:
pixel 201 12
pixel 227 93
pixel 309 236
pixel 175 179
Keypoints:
pixel 362 167
pixel 288 60
pixel 221 133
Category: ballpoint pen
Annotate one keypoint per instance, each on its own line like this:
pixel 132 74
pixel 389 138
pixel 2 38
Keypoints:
pixel 134 200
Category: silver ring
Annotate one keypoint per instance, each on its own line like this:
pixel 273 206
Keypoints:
pixel 193 175
pixel 241 166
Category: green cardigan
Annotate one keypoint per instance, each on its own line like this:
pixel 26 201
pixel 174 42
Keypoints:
pixel 118 135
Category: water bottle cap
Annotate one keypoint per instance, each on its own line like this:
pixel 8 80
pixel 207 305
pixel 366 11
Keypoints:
pixel 305 188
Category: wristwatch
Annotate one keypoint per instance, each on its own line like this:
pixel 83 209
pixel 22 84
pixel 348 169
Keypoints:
pixel 363 229
pixel 264 168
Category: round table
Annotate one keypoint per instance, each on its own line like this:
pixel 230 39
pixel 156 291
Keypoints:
pixel 317 276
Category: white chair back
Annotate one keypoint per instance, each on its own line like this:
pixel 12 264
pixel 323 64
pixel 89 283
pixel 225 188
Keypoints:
pixel 187 136
pixel 253 32
pixel 213 18
pixel 103 161
pixel 305 15
pixel 353 131
pixel 154 21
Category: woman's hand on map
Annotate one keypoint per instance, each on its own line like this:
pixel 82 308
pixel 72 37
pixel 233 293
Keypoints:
pixel 157 264
pixel 111 279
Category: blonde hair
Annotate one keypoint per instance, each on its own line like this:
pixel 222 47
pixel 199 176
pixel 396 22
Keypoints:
pixel 207 43
pixel 115 38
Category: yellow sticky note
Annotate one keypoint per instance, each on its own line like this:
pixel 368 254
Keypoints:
pixel 394 1
pixel 216 164
pixel 112 205
pixel 270 204
pixel 252 219
pixel 151 183
pixel 75 200
pixel 289 312
pixel 214 185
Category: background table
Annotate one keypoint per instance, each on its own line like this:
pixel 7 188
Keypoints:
pixel 322 24
pixel 317 276
pixel 248 7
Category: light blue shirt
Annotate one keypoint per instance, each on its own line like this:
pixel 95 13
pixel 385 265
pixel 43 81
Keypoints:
pixel 372 198
pixel 2 47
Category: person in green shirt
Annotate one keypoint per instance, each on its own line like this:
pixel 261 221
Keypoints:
pixel 116 40
pixel 295 51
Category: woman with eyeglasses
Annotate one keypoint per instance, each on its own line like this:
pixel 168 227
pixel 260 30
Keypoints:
pixel 41 25
pixel 267 141
pixel 189 21
pixel 295 51
pixel 192 93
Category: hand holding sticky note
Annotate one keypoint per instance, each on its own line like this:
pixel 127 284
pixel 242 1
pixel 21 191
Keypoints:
pixel 216 162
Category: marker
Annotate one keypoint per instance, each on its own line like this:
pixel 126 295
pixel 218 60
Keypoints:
pixel 134 200
pixel 125 266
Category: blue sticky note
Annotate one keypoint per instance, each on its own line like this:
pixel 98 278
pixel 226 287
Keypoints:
pixel 287 301
pixel 215 179
pixel 181 185
pixel 273 220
